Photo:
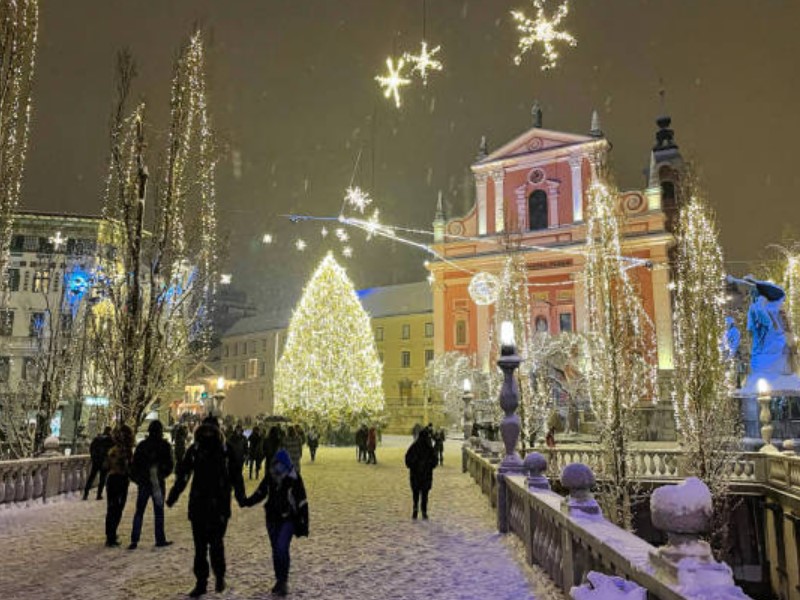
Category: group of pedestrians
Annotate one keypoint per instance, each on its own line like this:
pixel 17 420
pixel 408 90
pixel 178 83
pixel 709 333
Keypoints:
pixel 366 444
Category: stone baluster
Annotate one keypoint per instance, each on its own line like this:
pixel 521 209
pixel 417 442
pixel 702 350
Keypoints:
pixel 510 425
pixel 684 512
pixel 535 465
pixel 20 484
pixel 38 481
pixel 2 486
pixel 29 483
pixel 579 480
pixel 11 489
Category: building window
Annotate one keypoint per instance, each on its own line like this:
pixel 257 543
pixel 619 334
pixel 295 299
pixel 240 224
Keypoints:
pixel 428 357
pixel 29 371
pixel 252 368
pixel 540 324
pixel 226 350
pixel 225 372
pixel 428 330
pixel 461 332
pixel 13 280
pixel 5 368
pixel 537 210
pixel 262 370
pixel 236 348
pixel 26 280
pixel 406 331
pixel 253 347
pixel 565 322
pixel 379 334
pixel 7 322
pixel 30 243
pixel 264 345
pixel 36 324
pixel 41 280
pixel 405 359
pixel 17 243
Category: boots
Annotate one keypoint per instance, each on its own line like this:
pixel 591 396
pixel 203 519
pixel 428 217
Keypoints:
pixel 200 588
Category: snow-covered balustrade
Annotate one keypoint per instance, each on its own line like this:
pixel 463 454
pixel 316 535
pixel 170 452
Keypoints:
pixel 783 471
pixel 25 481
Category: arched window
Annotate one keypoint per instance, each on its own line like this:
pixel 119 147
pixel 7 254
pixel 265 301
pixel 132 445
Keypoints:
pixel 537 210
pixel 667 195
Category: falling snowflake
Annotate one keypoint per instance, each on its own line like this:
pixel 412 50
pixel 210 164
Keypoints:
pixel 342 235
pixel 393 80
pixel 542 30
pixel 226 279
pixel 347 251
pixel 267 239
pixel 424 61
pixel 300 245
pixel 357 198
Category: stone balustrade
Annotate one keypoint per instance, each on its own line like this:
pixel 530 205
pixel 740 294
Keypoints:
pixel 25 481
pixel 569 538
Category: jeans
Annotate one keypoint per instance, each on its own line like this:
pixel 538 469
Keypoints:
pixel 101 484
pixel 209 540
pixel 145 493
pixel 116 496
pixel 417 493
pixel 280 537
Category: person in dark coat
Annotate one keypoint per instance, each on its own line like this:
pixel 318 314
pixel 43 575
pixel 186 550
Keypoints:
pixel 118 465
pixel 313 443
pixel 286 510
pixel 361 443
pixel 238 444
pixel 215 469
pixel 421 461
pixel 372 444
pixel 152 464
pixel 98 450
pixel 180 433
pixel 438 445
pixel 273 442
pixel 255 451
pixel 293 443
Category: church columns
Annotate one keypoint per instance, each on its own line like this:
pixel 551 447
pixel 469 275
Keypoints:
pixel 439 316
pixel 552 202
pixel 522 208
pixel 482 319
pixel 575 163
pixel 499 204
pixel 480 185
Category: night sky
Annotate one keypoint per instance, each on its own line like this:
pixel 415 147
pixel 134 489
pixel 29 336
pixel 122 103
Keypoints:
pixel 294 101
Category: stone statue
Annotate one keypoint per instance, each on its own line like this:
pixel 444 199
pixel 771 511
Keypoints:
pixel 733 339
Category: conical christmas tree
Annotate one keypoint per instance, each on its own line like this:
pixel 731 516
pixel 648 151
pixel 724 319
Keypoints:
pixel 330 372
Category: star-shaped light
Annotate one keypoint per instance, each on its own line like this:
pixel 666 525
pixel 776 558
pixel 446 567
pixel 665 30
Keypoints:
pixel 57 240
pixel 300 245
pixel 393 80
pixel 424 61
pixel 267 239
pixel 324 232
pixel 342 235
pixel 357 198
pixel 542 30
pixel 373 225
pixel 348 252
pixel 226 279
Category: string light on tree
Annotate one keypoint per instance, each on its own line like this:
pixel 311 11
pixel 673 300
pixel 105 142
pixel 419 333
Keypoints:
pixel 323 232
pixel 330 372
pixel 541 30
pixel 342 235
pixel 424 61
pixel 393 80
pixel 347 252
pixel 357 198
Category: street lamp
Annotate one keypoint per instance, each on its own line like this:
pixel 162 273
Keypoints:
pixel 219 397
pixel 467 398
pixel 765 416
pixel 510 426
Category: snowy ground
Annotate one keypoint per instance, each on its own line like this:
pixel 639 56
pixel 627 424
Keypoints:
pixel 363 543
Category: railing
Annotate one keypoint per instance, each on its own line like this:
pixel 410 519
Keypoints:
pixel 29 480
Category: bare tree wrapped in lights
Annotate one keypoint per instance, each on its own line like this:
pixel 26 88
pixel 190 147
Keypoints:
pixel 621 360
pixel 161 280
pixel 329 373
pixel 707 416
pixel 19 21
pixel 445 376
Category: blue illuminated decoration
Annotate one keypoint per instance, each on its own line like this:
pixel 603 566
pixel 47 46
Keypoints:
pixel 365 292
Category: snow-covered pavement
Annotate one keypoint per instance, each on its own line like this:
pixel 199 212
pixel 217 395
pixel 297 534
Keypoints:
pixel 363 543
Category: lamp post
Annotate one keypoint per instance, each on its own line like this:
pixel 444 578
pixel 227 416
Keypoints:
pixel 467 398
pixel 510 426
pixel 765 416
pixel 219 397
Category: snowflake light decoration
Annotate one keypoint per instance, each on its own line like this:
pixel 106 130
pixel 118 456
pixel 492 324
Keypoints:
pixel 373 225
pixel 300 245
pixel 357 198
pixel 342 235
pixel 57 240
pixel 542 30
pixel 267 239
pixel 424 61
pixel 484 289
pixel 226 279
pixel 324 232
pixel 348 252
pixel 393 80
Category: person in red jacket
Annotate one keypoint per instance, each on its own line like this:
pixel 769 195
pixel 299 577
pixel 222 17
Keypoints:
pixel 372 444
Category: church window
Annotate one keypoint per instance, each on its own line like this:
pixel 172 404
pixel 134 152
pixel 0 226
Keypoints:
pixel 537 210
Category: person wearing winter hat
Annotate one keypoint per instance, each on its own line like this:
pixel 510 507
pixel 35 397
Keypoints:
pixel 287 513
pixel 152 464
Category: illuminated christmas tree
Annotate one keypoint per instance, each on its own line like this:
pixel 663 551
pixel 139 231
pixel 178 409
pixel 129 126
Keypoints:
pixel 330 372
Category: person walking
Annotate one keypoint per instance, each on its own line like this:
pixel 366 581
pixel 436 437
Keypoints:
pixel 180 433
pixel 215 469
pixel 272 443
pixel 118 465
pixel 152 464
pixel 361 443
pixel 372 444
pixel 287 513
pixel 98 450
pixel 238 444
pixel 294 445
pixel 313 443
pixel 438 445
pixel 421 461
pixel 255 451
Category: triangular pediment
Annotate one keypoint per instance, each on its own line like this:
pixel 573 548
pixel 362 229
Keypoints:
pixel 533 141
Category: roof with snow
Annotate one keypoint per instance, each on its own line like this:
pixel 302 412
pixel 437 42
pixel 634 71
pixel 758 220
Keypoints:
pixel 397 300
